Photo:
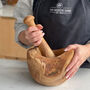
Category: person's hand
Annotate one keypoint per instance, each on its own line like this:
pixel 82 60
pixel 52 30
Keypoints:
pixel 34 35
pixel 82 52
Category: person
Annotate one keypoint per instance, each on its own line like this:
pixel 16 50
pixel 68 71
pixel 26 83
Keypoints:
pixel 63 24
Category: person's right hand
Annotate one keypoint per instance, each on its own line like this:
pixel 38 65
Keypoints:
pixel 34 35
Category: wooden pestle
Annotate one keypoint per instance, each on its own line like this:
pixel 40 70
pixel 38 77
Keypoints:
pixel 44 47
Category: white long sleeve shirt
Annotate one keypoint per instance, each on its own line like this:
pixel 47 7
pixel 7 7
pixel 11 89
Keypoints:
pixel 23 8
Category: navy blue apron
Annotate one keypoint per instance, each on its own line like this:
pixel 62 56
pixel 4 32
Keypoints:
pixel 65 21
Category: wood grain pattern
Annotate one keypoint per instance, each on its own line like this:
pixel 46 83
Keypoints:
pixel 47 70
pixel 12 2
pixel 44 47
pixel 8 47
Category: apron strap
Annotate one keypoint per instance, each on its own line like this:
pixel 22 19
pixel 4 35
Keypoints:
pixel 34 3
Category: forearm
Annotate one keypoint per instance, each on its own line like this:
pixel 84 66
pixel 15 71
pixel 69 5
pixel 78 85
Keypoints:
pixel 22 9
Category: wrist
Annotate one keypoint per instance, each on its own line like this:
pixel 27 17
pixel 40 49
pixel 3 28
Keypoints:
pixel 88 48
pixel 22 38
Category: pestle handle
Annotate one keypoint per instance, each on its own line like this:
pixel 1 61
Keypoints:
pixel 44 47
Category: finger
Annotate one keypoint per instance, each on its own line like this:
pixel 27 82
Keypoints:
pixel 73 62
pixel 39 26
pixel 80 62
pixel 32 29
pixel 37 43
pixel 35 34
pixel 70 47
pixel 73 69
pixel 37 38
pixel 34 39
pixel 71 75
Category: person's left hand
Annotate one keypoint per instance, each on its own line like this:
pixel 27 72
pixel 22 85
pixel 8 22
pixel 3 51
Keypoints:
pixel 82 52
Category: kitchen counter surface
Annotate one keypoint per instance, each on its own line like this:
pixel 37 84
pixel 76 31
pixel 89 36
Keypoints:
pixel 14 75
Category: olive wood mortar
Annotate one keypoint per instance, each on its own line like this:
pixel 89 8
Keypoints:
pixel 47 69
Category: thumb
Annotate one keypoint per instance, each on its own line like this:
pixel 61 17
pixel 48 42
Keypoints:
pixel 39 26
pixel 70 47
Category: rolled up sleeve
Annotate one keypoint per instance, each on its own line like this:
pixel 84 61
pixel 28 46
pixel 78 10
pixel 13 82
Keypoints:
pixel 22 9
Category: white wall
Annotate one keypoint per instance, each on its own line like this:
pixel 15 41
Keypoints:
pixel 0 4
